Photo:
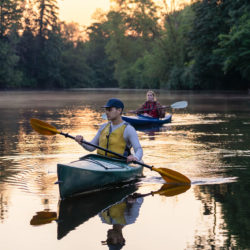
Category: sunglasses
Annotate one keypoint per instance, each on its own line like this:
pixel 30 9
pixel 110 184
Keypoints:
pixel 108 109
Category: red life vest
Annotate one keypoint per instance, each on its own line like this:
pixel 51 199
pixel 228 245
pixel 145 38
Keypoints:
pixel 151 109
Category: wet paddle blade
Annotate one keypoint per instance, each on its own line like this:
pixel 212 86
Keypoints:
pixel 172 189
pixel 43 128
pixel 179 105
pixel 171 176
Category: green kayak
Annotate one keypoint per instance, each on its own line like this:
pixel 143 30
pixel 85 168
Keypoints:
pixel 94 172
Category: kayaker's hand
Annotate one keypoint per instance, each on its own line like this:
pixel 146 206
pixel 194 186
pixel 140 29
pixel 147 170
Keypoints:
pixel 131 158
pixel 79 139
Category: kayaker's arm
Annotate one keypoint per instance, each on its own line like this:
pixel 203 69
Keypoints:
pixel 80 140
pixel 131 138
pixel 161 110
pixel 94 141
pixel 141 109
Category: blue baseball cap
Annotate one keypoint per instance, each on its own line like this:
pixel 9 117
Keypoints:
pixel 113 102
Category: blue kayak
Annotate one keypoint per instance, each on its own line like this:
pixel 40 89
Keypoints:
pixel 142 120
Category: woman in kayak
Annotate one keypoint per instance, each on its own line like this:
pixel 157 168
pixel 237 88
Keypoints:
pixel 152 108
pixel 116 135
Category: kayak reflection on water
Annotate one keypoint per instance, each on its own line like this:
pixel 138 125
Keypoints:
pixel 77 210
pixel 117 207
pixel 119 215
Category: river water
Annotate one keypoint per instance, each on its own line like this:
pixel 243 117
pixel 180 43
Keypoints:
pixel 209 142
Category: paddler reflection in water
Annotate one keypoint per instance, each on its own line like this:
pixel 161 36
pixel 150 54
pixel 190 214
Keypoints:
pixel 120 215
pixel 115 135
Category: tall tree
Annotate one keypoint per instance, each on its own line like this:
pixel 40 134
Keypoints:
pixel 208 24
pixel 48 16
pixel 10 16
pixel 27 51
pixel 132 26
pixel 97 58
pixel 74 68
pixel 10 76
pixel 234 46
pixel 48 45
pixel 10 25
pixel 170 52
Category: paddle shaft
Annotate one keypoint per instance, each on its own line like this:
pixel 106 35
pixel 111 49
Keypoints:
pixel 106 150
pixel 142 110
pixel 176 105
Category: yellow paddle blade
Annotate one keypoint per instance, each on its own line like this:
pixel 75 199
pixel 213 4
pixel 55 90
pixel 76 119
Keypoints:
pixel 43 128
pixel 171 176
pixel 172 189
pixel 43 217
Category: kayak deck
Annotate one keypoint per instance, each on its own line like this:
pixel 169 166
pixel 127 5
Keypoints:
pixel 94 172
pixel 88 163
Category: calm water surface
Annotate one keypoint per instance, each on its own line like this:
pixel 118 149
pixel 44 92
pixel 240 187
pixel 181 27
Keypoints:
pixel 209 142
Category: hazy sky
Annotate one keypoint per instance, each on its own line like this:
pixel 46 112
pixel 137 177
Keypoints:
pixel 80 11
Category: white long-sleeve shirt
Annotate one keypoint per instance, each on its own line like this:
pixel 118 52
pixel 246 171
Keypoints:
pixel 129 135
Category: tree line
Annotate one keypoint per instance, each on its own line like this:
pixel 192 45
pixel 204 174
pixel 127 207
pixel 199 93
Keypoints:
pixel 136 44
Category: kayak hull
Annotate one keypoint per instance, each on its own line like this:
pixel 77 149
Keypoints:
pixel 142 120
pixel 94 172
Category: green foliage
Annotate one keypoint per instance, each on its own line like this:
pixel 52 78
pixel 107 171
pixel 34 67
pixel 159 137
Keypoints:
pixel 235 47
pixel 215 24
pixel 207 26
pixel 96 58
pixel 28 47
pixel 10 77
pixel 132 30
pixel 74 69
pixel 49 64
pixel 135 45
pixel 169 53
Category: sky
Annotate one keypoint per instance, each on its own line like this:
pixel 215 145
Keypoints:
pixel 80 11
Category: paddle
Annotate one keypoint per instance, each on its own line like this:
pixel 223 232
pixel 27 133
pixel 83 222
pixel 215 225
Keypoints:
pixel 176 105
pixel 166 190
pixel 168 175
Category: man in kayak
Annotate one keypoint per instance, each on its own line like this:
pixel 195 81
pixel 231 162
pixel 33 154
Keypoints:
pixel 151 107
pixel 115 135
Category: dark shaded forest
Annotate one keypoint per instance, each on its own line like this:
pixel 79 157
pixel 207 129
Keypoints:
pixel 136 44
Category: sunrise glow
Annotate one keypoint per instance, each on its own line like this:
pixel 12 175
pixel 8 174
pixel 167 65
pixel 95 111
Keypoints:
pixel 82 12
